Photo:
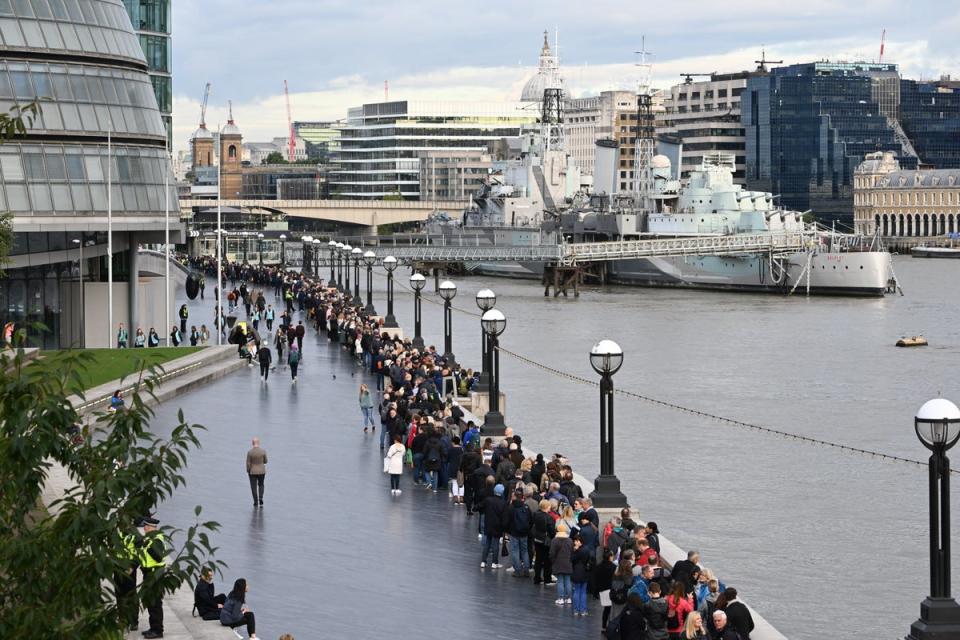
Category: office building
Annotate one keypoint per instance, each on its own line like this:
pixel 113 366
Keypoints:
pixel 55 177
pixel 808 127
pixel 704 116
pixel 592 118
pixel 905 203
pixel 452 175
pixel 382 143
pixel 321 139
pixel 930 116
pixel 151 20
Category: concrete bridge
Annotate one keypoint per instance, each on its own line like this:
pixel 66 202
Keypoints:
pixel 364 213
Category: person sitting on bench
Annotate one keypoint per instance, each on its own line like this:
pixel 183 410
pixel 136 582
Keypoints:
pixel 208 606
pixel 235 613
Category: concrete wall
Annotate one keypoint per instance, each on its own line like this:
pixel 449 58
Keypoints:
pixel 150 309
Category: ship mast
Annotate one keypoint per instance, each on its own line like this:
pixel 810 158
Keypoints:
pixel 644 144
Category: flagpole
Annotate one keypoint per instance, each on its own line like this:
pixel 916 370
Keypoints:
pixel 219 315
pixel 166 239
pixel 110 236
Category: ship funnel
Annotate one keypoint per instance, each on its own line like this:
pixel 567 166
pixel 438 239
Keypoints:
pixel 605 167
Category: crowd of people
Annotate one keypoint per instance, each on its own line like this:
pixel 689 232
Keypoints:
pixel 533 519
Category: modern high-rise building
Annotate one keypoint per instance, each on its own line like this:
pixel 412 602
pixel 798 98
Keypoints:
pixel 382 143
pixel 704 116
pixel 930 116
pixel 808 127
pixel 99 131
pixel 152 21
pixel 322 139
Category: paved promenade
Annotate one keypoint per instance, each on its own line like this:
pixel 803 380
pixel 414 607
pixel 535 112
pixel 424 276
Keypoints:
pixel 332 553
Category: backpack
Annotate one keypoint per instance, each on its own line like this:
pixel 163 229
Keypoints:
pixel 618 595
pixel 613 627
pixel 521 518
pixel 294 357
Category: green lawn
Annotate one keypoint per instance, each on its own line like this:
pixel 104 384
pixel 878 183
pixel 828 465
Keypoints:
pixel 111 364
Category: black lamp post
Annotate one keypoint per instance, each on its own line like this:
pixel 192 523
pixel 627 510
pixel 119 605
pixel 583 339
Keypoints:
pixel 332 245
pixel 345 256
pixel 283 250
pixel 316 257
pixel 493 323
pixel 357 253
pixel 390 264
pixel 606 357
pixel 370 259
pixel 486 300
pixel 260 247
pixel 448 291
pixel 339 266
pixel 938 426
pixel 417 283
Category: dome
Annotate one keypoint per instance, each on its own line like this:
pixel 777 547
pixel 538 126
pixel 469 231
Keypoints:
pixel 660 162
pixel 202 133
pixel 230 129
pixel 547 76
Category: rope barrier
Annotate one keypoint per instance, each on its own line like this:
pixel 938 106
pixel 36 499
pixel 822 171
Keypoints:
pixel 695 412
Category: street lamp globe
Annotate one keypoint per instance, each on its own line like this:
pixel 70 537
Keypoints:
pixel 448 290
pixel 307 238
pixel 417 281
pixel 486 299
pixel 390 263
pixel 260 235
pixel 316 241
pixel 938 423
pixel 332 244
pixel 356 253
pixel 339 246
pixel 347 249
pixel 283 236
pixel 493 322
pixel 606 357
pixel 369 258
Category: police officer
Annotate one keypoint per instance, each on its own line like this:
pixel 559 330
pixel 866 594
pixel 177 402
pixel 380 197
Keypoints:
pixel 153 553
pixel 127 583
pixel 184 314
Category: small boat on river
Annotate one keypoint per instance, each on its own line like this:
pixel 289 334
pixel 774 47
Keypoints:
pixel 915 341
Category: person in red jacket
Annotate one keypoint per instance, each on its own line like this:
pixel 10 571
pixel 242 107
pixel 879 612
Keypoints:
pixel 679 606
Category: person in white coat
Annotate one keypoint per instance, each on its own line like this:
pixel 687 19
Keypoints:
pixel 393 464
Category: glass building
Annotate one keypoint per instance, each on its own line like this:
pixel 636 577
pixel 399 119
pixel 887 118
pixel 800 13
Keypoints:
pixel 382 143
pixel 322 139
pixel 151 21
pixel 808 127
pixel 98 148
pixel 930 115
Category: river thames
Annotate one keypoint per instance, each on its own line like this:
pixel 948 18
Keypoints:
pixel 821 542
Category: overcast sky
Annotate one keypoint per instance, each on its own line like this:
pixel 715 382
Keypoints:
pixel 337 53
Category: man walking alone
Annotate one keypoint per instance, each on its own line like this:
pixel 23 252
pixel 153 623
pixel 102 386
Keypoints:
pixel 265 357
pixel 256 470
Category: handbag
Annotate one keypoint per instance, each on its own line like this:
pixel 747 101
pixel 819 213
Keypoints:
pixel 386 464
pixel 504 550
pixel 408 457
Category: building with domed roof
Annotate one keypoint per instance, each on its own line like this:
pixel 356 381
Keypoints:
pixel 95 155
pixel 547 75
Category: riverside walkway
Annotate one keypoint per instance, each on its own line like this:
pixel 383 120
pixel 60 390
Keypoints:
pixel 332 554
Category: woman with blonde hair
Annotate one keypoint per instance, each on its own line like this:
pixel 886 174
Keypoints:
pixel 568 517
pixel 561 552
pixel 694 627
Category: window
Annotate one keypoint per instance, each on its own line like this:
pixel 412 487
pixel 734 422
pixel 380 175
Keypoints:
pixel 232 152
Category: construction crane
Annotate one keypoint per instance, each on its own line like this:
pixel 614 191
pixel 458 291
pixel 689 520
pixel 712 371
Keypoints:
pixel 203 107
pixel 291 145
pixel 883 40
pixel 688 77
pixel 763 62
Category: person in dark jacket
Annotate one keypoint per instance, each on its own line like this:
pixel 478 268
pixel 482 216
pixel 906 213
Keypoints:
pixel 655 613
pixel 588 534
pixel 582 560
pixel 265 358
pixel 521 521
pixel 235 613
pixel 205 602
pixel 300 331
pixel 432 459
pixel 454 458
pixel 544 529
pixel 684 568
pixel 722 629
pixel 494 513
pixel 601 580
pixel 652 532
pixel 470 462
pixel 633 624
pixel 561 553
pixel 738 616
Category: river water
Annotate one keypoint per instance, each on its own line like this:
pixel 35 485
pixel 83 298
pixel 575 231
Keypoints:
pixel 821 542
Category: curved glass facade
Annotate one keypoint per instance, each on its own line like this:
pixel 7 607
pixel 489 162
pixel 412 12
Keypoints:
pixel 97 28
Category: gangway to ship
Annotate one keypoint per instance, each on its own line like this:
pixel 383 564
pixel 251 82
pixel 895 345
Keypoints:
pixel 571 254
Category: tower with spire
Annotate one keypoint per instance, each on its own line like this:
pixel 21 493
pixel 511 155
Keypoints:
pixel 547 75
pixel 231 156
